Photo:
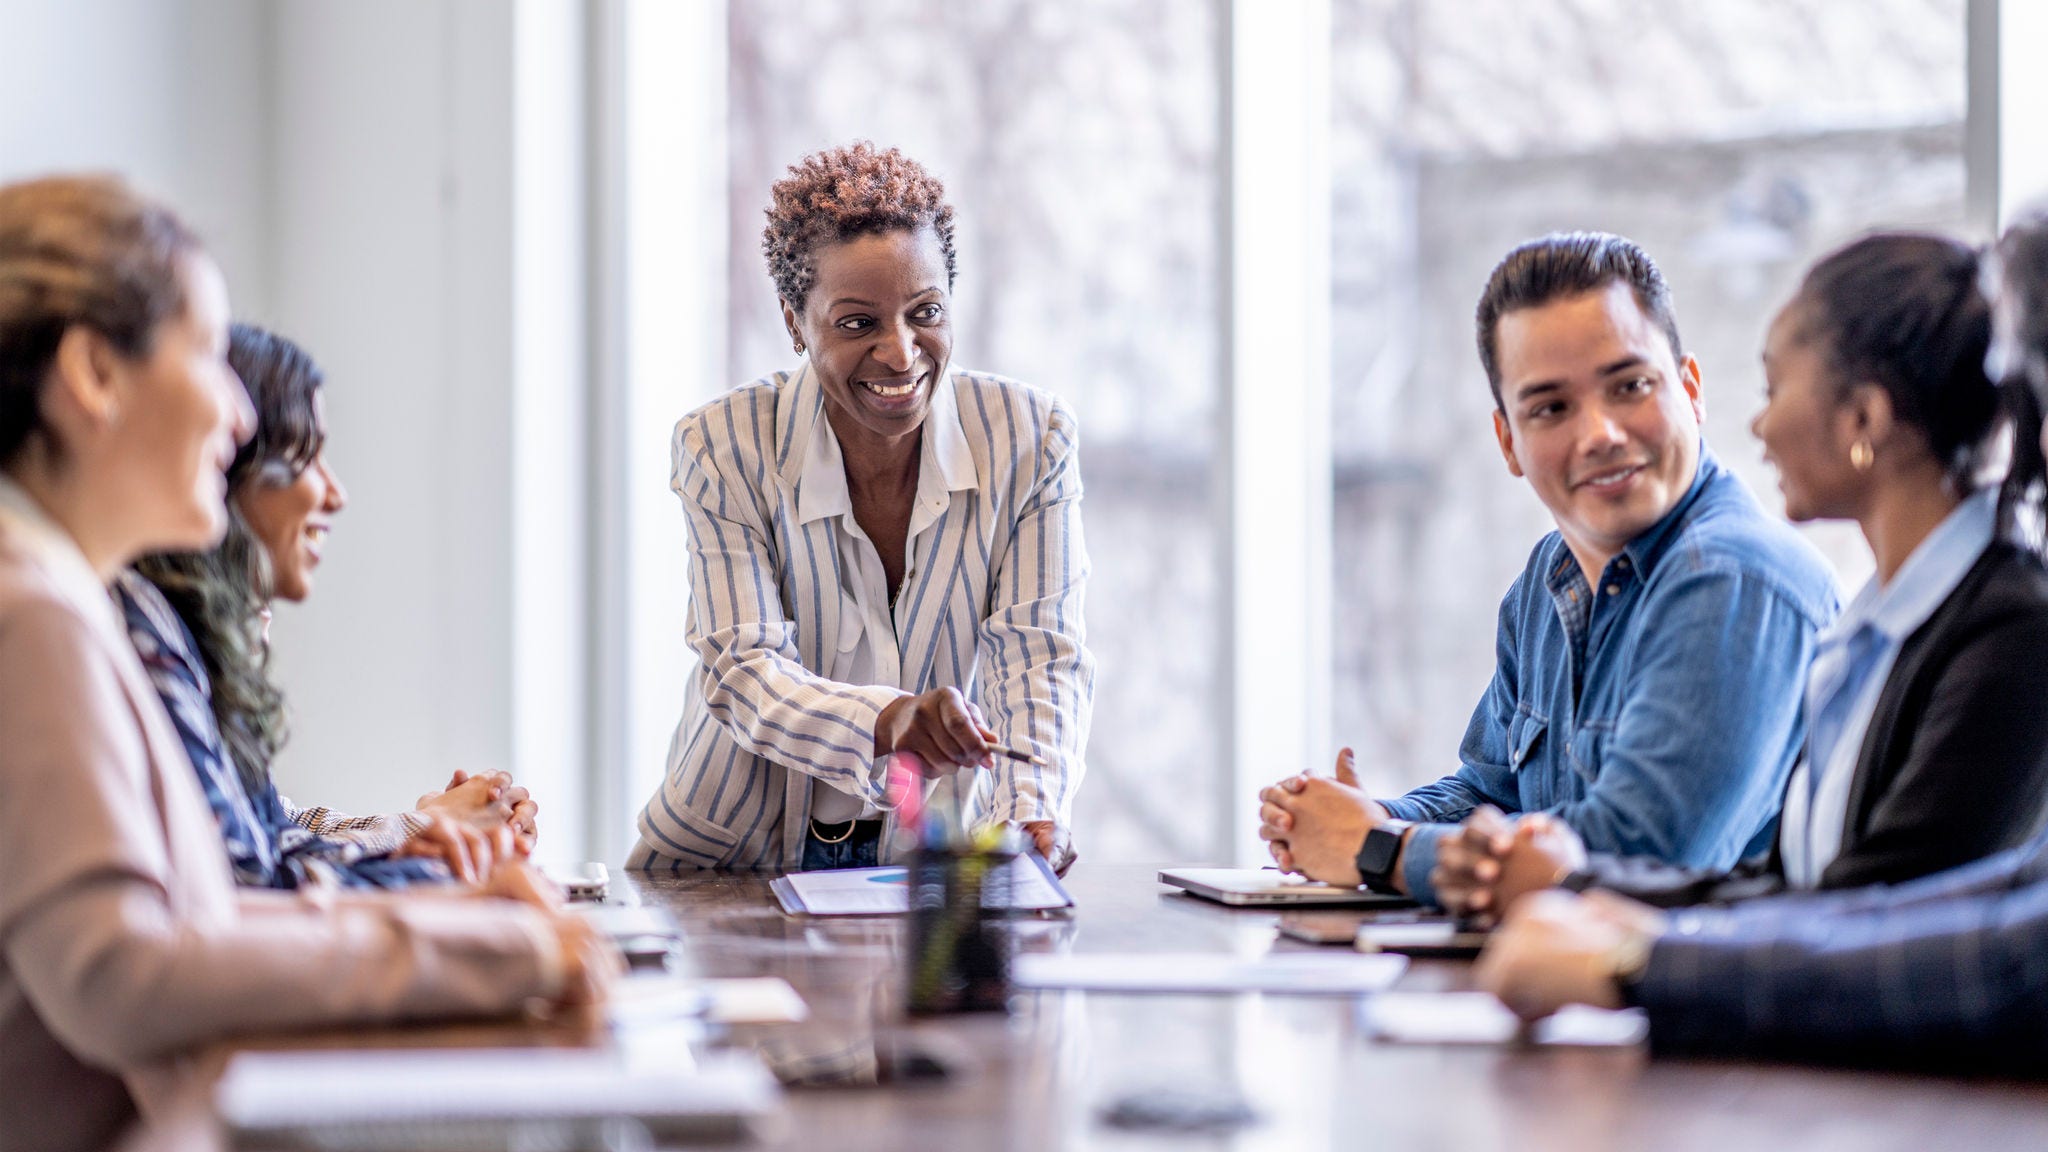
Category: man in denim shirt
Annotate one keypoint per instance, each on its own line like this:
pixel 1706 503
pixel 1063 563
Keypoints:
pixel 1652 656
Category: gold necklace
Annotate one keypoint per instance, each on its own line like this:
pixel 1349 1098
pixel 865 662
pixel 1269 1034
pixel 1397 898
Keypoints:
pixel 843 836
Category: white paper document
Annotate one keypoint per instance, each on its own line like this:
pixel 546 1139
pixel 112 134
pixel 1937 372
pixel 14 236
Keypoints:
pixel 1305 973
pixel 295 1091
pixel 1480 1018
pixel 743 1000
pixel 886 892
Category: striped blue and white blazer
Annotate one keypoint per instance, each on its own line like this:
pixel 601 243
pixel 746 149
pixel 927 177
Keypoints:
pixel 992 605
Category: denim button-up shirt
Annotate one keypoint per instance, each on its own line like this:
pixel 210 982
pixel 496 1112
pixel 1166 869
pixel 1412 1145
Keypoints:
pixel 1657 713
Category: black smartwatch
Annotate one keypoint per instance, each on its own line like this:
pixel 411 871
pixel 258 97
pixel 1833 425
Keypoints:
pixel 1380 853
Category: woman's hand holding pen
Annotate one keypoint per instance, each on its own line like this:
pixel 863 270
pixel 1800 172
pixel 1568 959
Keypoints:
pixel 941 727
pixel 946 732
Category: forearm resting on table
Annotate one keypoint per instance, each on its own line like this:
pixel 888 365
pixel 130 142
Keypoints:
pixel 124 980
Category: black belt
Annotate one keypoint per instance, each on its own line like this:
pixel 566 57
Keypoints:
pixel 839 833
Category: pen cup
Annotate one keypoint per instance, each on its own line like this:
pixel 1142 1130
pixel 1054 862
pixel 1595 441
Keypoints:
pixel 960 938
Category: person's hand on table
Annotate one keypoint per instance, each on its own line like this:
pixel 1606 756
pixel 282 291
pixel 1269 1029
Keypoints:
pixel 478 800
pixel 470 853
pixel 1556 948
pixel 1544 851
pixel 1468 863
pixel 1489 863
pixel 590 962
pixel 523 819
pixel 940 726
pixel 521 881
pixel 1053 842
pixel 1315 825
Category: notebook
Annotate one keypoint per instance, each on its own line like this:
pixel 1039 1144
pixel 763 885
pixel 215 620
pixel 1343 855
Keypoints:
pixel 885 891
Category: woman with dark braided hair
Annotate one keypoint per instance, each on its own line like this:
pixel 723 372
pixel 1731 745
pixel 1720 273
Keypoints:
pixel 282 497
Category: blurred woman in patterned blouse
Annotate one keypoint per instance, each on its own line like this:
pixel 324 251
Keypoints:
pixel 209 662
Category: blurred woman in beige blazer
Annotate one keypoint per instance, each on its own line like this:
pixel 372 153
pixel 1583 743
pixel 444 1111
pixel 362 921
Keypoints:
pixel 123 940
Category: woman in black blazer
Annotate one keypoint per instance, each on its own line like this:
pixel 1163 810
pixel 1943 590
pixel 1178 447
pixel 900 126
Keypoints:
pixel 1927 747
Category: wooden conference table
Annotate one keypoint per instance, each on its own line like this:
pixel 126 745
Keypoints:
pixel 1043 1077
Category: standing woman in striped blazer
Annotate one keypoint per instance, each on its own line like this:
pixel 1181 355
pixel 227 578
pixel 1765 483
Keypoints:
pixel 886 559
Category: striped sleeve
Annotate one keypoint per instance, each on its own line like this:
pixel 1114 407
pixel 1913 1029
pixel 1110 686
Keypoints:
pixel 1040 687
pixel 756 688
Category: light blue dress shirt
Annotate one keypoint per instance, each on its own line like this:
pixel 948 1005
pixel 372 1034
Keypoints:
pixel 1852 661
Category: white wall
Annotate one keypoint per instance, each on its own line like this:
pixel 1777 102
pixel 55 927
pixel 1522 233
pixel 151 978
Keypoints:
pixel 171 92
pixel 434 272
pixel 660 290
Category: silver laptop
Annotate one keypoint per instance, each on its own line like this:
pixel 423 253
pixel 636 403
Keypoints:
pixel 1269 888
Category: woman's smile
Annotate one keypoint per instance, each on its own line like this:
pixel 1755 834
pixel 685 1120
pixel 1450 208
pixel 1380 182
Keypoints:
pixel 895 396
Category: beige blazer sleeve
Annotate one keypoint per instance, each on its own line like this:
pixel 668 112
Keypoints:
pixel 120 927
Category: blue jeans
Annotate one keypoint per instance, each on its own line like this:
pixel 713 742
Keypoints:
pixel 862 849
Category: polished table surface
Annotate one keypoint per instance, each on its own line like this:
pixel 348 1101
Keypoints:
pixel 1043 1077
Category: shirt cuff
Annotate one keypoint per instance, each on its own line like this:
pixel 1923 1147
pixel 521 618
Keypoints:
pixel 1697 988
pixel 1402 808
pixel 870 785
pixel 1418 860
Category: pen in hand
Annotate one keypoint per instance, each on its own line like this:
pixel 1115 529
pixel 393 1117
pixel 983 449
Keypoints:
pixel 1015 754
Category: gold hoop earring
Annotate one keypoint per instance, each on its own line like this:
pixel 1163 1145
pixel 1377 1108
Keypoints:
pixel 1861 455
pixel 799 346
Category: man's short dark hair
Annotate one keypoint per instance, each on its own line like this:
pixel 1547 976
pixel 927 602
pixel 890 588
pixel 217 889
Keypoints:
pixel 1565 264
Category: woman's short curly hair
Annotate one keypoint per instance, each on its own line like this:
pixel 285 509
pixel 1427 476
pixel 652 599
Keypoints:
pixel 841 193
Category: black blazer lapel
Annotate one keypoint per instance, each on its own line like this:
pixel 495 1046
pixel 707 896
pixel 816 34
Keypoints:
pixel 1904 697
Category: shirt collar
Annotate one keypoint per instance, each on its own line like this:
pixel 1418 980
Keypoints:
pixel 50 546
pixel 1644 550
pixel 946 464
pixel 1927 577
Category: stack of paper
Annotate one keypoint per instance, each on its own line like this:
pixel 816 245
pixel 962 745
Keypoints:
pixel 1480 1018
pixel 745 1000
pixel 1300 973
pixel 349 1098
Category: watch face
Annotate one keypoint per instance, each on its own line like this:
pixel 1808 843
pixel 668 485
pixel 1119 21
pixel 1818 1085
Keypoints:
pixel 1376 859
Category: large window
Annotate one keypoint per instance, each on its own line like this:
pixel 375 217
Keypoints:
pixel 1079 144
pixel 1103 211
pixel 1736 141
